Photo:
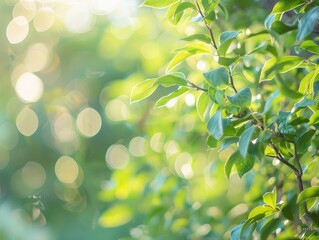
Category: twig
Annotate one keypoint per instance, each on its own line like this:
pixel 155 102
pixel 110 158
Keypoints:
pixel 192 85
pixel 282 160
pixel 232 80
pixel 213 42
pixel 299 180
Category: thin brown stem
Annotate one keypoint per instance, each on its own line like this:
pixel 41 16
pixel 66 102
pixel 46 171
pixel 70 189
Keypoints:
pixel 232 81
pixel 193 85
pixel 213 42
pixel 282 160
pixel 299 180
pixel 298 174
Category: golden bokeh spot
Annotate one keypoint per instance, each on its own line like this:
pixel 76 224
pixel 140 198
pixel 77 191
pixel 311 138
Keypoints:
pixel 33 175
pixel 66 170
pixel 17 30
pixel 89 122
pixel 44 19
pixel 117 156
pixel 27 122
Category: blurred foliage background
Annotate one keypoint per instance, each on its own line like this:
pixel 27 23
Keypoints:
pixel 77 160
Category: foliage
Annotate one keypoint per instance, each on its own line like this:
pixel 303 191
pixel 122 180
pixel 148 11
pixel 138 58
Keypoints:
pixel 260 102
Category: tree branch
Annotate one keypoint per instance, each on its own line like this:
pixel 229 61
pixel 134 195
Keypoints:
pixel 213 42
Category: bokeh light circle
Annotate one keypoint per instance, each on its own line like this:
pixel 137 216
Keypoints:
pixel 66 170
pixel 117 156
pixel 37 57
pixel 29 87
pixel 89 122
pixel 78 19
pixel 44 19
pixel 27 122
pixel 33 174
pixel 17 30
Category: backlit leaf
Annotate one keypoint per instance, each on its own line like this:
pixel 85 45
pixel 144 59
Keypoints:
pixel 158 3
pixel 116 216
pixel 270 198
pixel 164 100
pixel 314 119
pixel 170 79
pixel 243 166
pixel 200 37
pixel 143 90
pixel 312 192
pixel 286 5
pixel 245 140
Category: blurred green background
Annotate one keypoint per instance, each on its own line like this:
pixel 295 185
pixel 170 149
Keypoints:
pixel 77 160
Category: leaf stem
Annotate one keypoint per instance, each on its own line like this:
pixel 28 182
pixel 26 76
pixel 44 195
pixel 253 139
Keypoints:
pixel 213 42
pixel 193 85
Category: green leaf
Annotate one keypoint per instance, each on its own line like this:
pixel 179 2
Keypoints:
pixel 268 227
pixel 222 49
pixel 143 90
pixel 227 61
pixel 307 23
pixel 269 198
pixel 303 142
pixel 186 52
pixel 228 141
pixel 267 72
pixel 171 16
pixel 307 83
pixel 164 100
pixel 215 125
pixel 211 142
pixel 282 65
pixel 314 119
pixel 238 233
pixel 286 5
pixel 183 6
pixel 223 9
pixel 230 163
pixel 116 216
pixel 269 101
pixel 159 3
pixel 312 192
pixel 202 104
pixel 287 63
pixel 242 98
pixel 304 102
pixel 217 78
pixel 269 20
pixel 261 212
pixel 170 79
pixel 200 37
pixel 243 166
pixel 245 140
pixel 227 36
pixel 309 46
pixel 281 28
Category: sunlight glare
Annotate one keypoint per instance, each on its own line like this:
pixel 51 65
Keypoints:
pixel 29 87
